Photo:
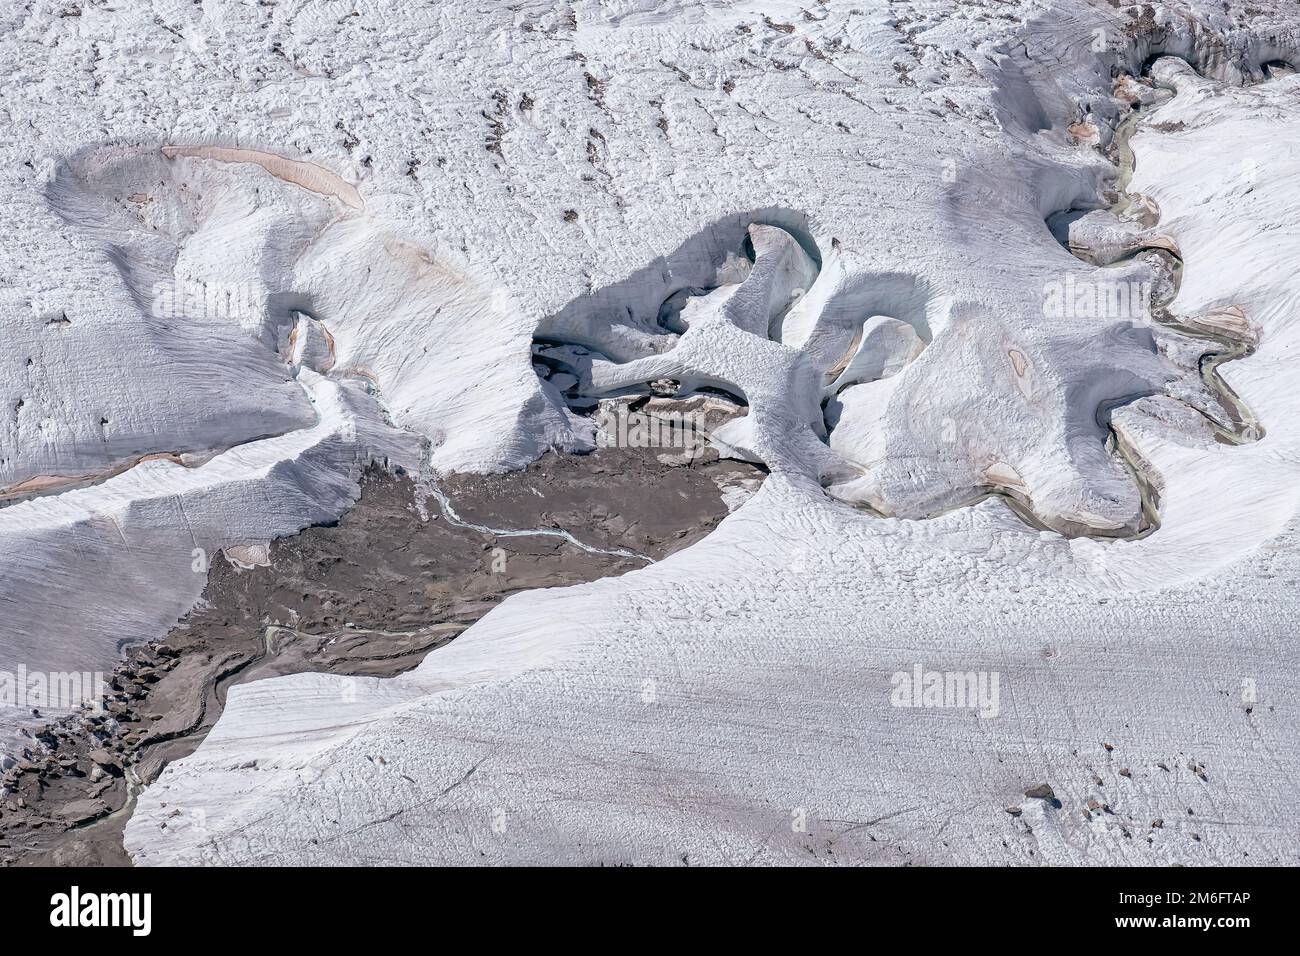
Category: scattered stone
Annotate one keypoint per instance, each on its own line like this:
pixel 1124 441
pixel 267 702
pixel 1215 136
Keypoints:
pixel 82 811
pixel 103 758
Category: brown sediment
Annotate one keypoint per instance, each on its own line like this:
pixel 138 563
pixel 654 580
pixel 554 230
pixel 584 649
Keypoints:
pixel 1229 329
pixel 371 595
pixel 309 176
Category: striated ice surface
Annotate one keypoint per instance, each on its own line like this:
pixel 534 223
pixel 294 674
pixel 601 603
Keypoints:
pixel 870 222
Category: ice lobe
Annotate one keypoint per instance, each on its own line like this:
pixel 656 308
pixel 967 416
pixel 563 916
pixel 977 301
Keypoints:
pixel 290 243
pixel 800 344
pixel 119 372
pixel 882 348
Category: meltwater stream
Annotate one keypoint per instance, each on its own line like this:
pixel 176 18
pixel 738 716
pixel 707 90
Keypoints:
pixel 449 510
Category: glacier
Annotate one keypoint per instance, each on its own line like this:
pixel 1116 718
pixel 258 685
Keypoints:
pixel 845 217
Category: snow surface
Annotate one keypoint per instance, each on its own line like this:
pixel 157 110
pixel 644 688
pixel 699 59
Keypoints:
pixel 412 196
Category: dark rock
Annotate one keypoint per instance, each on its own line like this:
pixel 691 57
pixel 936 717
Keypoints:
pixel 82 811
pixel 104 759
pixel 1041 792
